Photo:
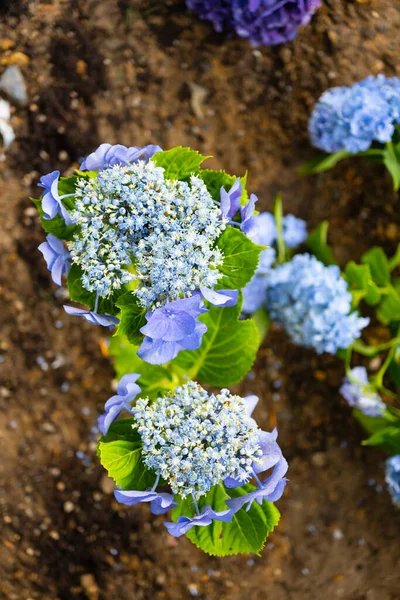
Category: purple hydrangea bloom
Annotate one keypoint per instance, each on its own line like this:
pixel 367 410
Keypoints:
pixel 52 201
pixel 127 391
pixel 159 503
pixel 205 518
pixel 56 256
pixel 352 118
pixel 221 297
pixel 172 328
pixel 230 201
pixel 392 478
pixel 247 215
pixel 92 317
pixel 219 12
pixel 270 22
pixel 108 155
pixel 357 391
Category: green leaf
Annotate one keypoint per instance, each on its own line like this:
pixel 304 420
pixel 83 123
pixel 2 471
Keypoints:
pixel 262 321
pixel 154 379
pixel 324 162
pixel 123 461
pixel 389 309
pixel 78 293
pixel 247 532
pixel 387 438
pixel 122 430
pixel 360 280
pixel 228 349
pixel 391 160
pixel 379 265
pixel 133 317
pixel 317 244
pixel 395 260
pixel 241 257
pixel 394 373
pixel 214 180
pixel 370 424
pixel 179 163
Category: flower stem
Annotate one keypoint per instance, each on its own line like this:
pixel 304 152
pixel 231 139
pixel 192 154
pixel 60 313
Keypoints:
pixel 278 214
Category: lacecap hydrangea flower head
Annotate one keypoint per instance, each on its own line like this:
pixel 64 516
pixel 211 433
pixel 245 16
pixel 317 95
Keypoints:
pixel 312 303
pixel 154 237
pixel 262 22
pixel 352 118
pixel 194 441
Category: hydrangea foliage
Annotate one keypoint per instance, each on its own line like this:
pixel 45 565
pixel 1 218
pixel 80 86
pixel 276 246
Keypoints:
pixel 262 22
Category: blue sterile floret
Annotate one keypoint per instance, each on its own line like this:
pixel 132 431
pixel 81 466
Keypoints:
pixel 392 478
pixel 135 225
pixel 263 22
pixel 312 302
pixel 359 393
pixel 195 440
pixel 352 118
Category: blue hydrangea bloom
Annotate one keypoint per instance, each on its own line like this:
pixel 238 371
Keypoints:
pixel 172 328
pixel 312 302
pixel 127 391
pixel 255 292
pixel 108 155
pixel 392 478
pixel 205 518
pixel 52 201
pixel 352 118
pixel 159 503
pixel 92 316
pixel 357 391
pixel 294 231
pixel 263 22
pixel 57 257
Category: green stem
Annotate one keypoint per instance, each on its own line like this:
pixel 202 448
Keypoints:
pixel 378 379
pixel 371 351
pixel 278 214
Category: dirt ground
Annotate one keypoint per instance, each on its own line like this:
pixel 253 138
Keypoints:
pixel 127 71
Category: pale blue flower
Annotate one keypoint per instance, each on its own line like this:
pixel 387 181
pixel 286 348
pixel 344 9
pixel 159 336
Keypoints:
pixel 313 304
pixel 205 518
pixel 57 257
pixel 392 478
pixel 92 317
pixel 359 393
pixel 127 391
pixel 160 503
pixel 52 201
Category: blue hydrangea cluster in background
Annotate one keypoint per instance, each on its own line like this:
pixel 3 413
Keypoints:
pixel 392 478
pixel 358 392
pixel 352 118
pixel 264 232
pixel 312 302
pixel 262 22
pixel 166 229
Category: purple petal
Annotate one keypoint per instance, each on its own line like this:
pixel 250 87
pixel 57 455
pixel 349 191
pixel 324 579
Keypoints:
pixel 250 404
pixel 57 270
pixel 129 378
pixel 162 504
pixel 95 161
pixel 220 298
pixel 157 352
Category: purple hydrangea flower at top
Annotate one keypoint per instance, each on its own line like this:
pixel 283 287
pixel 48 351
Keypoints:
pixel 205 518
pixel 159 503
pixel 352 118
pixel 357 391
pixel 108 155
pixel 52 201
pixel 392 478
pixel 56 256
pixel 127 391
pixel 219 12
pixel 92 316
pixel 312 302
pixel 172 328
pixel 270 22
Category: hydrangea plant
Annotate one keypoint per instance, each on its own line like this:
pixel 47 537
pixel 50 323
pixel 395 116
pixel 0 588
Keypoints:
pixel 158 249
pixel 358 120
pixel 262 22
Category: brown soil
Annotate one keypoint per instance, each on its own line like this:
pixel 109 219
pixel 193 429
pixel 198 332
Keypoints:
pixel 125 72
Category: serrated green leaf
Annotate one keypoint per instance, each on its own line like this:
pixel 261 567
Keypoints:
pixel 154 379
pixel 360 280
pixel 122 458
pixel 247 532
pixel 78 293
pixel 228 348
pixel 133 317
pixel 389 309
pixel 241 258
pixel 324 162
pixel 179 163
pixel 122 430
pixel 317 244
pixel 215 180
pixel 379 265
